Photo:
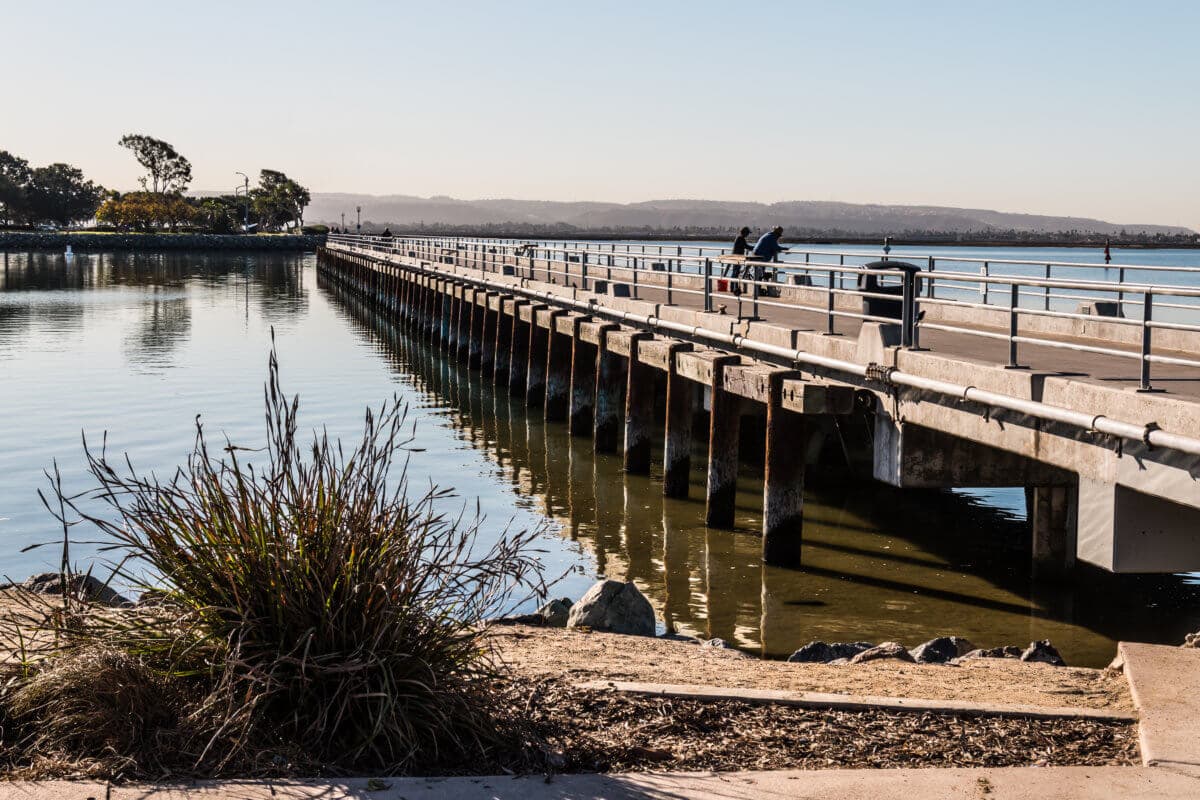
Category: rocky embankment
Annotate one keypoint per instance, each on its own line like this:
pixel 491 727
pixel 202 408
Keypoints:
pixel 616 607
pixel 83 242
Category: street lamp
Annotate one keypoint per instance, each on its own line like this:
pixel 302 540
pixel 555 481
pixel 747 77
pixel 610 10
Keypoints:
pixel 343 222
pixel 358 221
pixel 246 207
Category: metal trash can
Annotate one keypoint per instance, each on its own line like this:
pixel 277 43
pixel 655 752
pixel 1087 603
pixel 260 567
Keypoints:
pixel 886 307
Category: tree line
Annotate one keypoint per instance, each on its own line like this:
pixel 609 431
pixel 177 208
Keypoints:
pixel 59 195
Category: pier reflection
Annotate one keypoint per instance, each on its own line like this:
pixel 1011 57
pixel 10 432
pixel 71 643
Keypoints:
pixel 879 564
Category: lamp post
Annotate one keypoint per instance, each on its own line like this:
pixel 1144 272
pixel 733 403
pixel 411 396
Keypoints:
pixel 358 220
pixel 246 207
pixel 343 222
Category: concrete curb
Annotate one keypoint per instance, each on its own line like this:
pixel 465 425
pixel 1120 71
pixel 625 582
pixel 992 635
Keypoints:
pixel 850 702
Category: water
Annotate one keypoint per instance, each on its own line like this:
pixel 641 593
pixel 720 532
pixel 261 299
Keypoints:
pixel 139 344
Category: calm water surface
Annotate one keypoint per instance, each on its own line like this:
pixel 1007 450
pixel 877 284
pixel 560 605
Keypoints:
pixel 138 344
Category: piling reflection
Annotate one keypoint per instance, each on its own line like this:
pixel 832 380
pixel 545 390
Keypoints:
pixel 879 564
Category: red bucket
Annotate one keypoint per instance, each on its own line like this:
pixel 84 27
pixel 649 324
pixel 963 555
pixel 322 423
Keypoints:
pixel 722 285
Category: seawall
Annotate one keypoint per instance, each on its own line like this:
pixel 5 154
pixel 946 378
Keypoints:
pixel 33 240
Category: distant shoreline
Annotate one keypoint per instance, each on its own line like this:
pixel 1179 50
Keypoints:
pixel 86 241
pixel 873 241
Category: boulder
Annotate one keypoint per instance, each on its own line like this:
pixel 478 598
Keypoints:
pixel 555 613
pixel 941 650
pixel 1191 640
pixel 1008 651
pixel 1043 652
pixel 822 653
pixel 81 586
pixel 614 607
pixel 886 650
pixel 720 644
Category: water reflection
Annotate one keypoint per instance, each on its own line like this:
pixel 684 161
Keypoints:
pixel 879 563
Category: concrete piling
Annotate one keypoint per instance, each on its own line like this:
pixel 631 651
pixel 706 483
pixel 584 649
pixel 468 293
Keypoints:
pixel 677 434
pixel 558 372
pixel 639 409
pixel 724 424
pixel 610 393
pixel 783 480
pixel 583 384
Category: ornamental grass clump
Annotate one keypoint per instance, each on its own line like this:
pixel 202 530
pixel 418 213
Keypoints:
pixel 308 602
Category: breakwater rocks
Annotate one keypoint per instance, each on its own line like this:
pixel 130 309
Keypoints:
pixel 104 242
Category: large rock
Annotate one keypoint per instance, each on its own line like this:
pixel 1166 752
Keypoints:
pixel 1043 652
pixel 1191 640
pixel 822 653
pixel 82 587
pixel 886 650
pixel 555 613
pixel 614 607
pixel 1008 651
pixel 941 650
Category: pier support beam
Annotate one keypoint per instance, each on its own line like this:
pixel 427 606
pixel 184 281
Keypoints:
pixel 1053 517
pixel 487 336
pixel 583 384
pixel 639 409
pixel 724 425
pixel 539 354
pixel 610 393
pixel 558 373
pixel 524 321
pixel 475 329
pixel 677 438
pixel 783 480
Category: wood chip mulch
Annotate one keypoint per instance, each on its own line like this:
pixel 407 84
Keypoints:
pixel 589 730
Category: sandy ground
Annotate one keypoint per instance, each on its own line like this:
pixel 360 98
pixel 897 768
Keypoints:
pixel 580 656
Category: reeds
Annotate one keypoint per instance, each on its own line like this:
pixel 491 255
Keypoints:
pixel 308 600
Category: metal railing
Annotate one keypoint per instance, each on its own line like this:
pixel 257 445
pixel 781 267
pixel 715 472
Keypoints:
pixel 990 303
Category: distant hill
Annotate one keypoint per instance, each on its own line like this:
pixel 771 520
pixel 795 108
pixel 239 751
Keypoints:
pixel 800 216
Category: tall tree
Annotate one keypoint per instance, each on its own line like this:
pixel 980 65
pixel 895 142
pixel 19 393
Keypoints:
pixel 14 181
pixel 168 171
pixel 278 199
pixel 59 193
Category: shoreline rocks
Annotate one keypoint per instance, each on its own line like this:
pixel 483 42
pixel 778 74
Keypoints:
pixel 614 607
pixel 80 585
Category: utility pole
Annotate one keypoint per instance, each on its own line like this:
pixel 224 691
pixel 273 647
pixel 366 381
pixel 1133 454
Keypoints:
pixel 246 207
pixel 343 222
pixel 358 222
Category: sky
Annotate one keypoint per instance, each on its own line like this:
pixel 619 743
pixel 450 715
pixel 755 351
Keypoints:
pixel 1072 108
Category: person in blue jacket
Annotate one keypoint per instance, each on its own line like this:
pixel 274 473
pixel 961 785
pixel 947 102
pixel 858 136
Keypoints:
pixel 767 248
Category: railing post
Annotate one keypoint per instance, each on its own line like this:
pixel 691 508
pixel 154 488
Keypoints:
pixel 670 294
pixel 1120 291
pixel 708 284
pixel 907 318
pixel 983 287
pixel 929 291
pixel 1014 299
pixel 1046 292
pixel 583 270
pixel 1147 315
pixel 833 277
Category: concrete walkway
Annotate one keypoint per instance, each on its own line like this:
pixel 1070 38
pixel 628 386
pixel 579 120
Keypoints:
pixel 1060 783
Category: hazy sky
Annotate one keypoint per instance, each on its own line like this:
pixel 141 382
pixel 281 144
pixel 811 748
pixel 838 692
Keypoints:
pixel 1085 108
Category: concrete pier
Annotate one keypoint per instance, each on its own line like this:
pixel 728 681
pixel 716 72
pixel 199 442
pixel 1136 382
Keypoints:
pixel 593 353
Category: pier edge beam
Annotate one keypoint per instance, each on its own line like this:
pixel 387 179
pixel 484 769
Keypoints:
pixel 639 409
pixel 783 479
pixel 610 393
pixel 677 430
pixel 724 426
pixel 518 356
pixel 1053 513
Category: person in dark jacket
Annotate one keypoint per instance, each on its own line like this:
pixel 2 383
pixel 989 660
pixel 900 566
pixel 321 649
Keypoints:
pixel 740 248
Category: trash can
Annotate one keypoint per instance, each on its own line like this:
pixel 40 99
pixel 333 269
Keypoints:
pixel 870 282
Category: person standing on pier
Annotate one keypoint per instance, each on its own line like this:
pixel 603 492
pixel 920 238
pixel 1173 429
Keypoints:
pixel 740 248
pixel 767 248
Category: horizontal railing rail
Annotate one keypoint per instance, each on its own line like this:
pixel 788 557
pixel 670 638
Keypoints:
pixel 1001 306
